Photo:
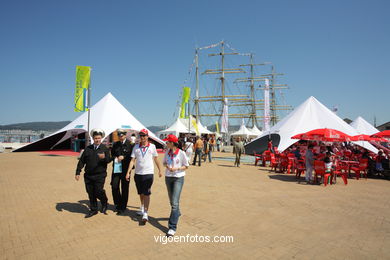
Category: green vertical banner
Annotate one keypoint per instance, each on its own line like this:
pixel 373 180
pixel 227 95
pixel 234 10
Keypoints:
pixel 217 127
pixel 83 76
pixel 184 101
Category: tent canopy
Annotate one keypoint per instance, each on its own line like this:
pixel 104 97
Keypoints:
pixel 308 116
pixel 243 131
pixel 255 131
pixel 107 114
pixel 177 128
pixel 363 127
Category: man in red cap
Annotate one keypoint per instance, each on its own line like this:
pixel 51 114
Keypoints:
pixel 143 156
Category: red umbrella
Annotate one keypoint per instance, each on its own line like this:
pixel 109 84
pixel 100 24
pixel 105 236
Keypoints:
pixel 324 135
pixel 385 133
pixel 367 138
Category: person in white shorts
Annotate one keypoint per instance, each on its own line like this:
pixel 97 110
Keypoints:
pixel 175 162
pixel 143 156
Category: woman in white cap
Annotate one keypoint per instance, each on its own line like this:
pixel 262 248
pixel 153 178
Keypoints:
pixel 95 159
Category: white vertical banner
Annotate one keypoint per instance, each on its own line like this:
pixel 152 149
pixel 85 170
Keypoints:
pixel 267 117
pixel 225 117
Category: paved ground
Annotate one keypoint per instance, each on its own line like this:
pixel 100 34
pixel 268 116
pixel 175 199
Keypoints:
pixel 270 216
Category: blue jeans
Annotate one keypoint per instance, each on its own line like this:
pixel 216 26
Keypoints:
pixel 174 187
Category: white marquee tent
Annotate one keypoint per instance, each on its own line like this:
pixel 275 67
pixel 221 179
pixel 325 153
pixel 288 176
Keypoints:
pixel 255 131
pixel 363 127
pixel 176 128
pixel 107 114
pixel 308 116
pixel 244 132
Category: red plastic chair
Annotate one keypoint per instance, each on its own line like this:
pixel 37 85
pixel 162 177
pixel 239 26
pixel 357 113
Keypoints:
pixel 319 169
pixel 362 169
pixel 291 163
pixel 300 168
pixel 266 157
pixel 258 157
pixel 342 171
pixel 273 162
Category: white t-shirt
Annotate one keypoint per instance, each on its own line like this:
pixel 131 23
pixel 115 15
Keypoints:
pixel 175 161
pixel 144 158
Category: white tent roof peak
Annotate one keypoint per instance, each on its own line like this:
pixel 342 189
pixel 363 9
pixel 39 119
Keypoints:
pixel 310 115
pixel 107 114
pixel 363 127
pixel 176 128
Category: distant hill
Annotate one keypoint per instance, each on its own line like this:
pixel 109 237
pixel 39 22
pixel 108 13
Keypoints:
pixel 36 126
pixel 155 128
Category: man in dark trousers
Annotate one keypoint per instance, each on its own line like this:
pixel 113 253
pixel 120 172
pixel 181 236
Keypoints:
pixel 95 159
pixel 121 152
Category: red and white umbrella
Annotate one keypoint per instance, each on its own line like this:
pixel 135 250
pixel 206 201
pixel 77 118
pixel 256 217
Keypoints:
pixel 324 135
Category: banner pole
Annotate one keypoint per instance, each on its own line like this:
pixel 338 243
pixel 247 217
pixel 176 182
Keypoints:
pixel 89 110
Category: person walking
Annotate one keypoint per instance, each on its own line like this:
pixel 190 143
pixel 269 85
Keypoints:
pixel 238 149
pixel 198 151
pixel 309 156
pixel 189 148
pixel 95 159
pixel 175 162
pixel 121 155
pixel 144 156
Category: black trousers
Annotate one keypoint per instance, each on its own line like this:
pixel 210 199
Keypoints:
pixel 95 189
pixel 120 190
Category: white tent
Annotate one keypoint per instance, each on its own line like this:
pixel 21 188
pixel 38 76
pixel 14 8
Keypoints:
pixel 255 131
pixel 202 129
pixel 244 132
pixel 311 115
pixel 176 128
pixel 363 127
pixel 107 114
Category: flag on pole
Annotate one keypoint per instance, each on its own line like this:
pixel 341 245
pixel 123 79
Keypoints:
pixel 184 101
pixel 225 117
pixel 195 126
pixel 217 126
pixel 83 76
pixel 266 107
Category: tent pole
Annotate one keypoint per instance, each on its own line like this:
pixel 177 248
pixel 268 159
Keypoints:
pixel 88 141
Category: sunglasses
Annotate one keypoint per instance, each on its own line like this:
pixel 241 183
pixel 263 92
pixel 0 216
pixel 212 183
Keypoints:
pixel 142 135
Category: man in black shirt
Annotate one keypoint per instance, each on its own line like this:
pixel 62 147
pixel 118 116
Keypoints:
pixel 121 152
pixel 95 159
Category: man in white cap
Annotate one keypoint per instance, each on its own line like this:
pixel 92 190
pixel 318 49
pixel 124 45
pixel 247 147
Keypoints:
pixel 144 156
pixel 121 152
pixel 95 159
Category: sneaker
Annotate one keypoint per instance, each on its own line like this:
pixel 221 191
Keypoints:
pixel 141 211
pixel 145 217
pixel 171 233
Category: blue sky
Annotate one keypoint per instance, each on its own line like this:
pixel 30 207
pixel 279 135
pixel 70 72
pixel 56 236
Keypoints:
pixel 141 51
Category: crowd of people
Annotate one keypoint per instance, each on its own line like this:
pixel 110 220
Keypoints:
pixel 306 152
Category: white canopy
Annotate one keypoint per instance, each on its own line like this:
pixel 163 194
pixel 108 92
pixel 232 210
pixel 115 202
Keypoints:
pixel 243 131
pixel 363 127
pixel 255 131
pixel 107 114
pixel 176 128
pixel 308 116
pixel 202 129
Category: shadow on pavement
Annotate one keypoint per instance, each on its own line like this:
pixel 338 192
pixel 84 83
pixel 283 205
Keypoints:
pixel 75 207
